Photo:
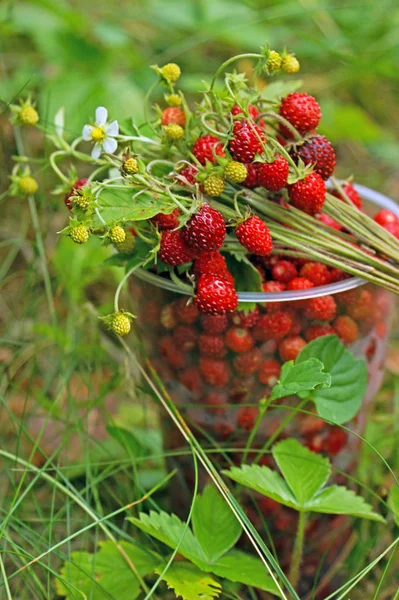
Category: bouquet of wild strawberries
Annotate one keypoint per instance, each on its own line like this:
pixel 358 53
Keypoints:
pixel 229 195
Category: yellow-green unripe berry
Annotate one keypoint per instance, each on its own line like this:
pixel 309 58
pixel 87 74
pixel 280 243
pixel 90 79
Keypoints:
pixel 28 115
pixel 290 64
pixel 171 72
pixel 236 172
pixel 28 185
pixel 131 166
pixel 80 201
pixel 214 185
pixel 117 234
pixel 273 62
pixel 174 132
pixel 128 245
pixel 174 100
pixel 120 324
pixel 79 234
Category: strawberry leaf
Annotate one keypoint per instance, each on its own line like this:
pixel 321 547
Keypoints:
pixel 119 205
pixel 189 582
pixel 247 277
pixel 300 377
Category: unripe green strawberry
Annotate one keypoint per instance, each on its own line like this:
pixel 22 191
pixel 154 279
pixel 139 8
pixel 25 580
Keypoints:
pixel 130 166
pixel 214 185
pixel 236 172
pixel 120 324
pixel 174 100
pixel 28 115
pixel 171 72
pixel 80 200
pixel 117 234
pixel 273 62
pixel 290 64
pixel 28 185
pixel 79 234
pixel 174 132
pixel 127 246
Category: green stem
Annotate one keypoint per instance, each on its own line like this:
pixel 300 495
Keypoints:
pixel 296 557
pixel 228 62
pixel 263 406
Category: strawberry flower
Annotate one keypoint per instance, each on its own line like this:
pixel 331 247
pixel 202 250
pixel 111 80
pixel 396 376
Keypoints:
pixel 101 133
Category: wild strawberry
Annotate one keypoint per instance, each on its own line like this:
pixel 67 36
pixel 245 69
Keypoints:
pixel 272 287
pixel 215 402
pixel 167 316
pixel 185 337
pixel 247 363
pixel 267 505
pixel 171 72
pixel 302 111
pixel 214 185
pixel 274 61
pixel 246 417
pixel 215 295
pixel 245 319
pixel 322 308
pixel 28 115
pixel 223 428
pixel 130 166
pixel 283 271
pixel 79 183
pixel 174 250
pixel 166 221
pixel 299 283
pixel 290 64
pixel 315 443
pixel 173 355
pixel 117 234
pixel 310 424
pixel 335 440
pixel 238 339
pixel 329 221
pixel 215 372
pixel 28 185
pixel 393 229
pixel 173 115
pixel 273 325
pixel 319 152
pixel 297 321
pixel 308 194
pixel 173 100
pixel 269 372
pixel 386 217
pixel 120 324
pixel 207 147
pixel 251 180
pixel 315 331
pixel 235 172
pixel 187 175
pixel 351 193
pixel 290 347
pixel 206 230
pixel 212 344
pixel 192 380
pixel 273 176
pixel 240 388
pixel 79 234
pixel 362 305
pixel 210 262
pixel 316 272
pixel 346 329
pixel 255 236
pixel 252 110
pixel 247 141
pixel 338 275
pixel 214 323
pixel 173 132
pixel 186 312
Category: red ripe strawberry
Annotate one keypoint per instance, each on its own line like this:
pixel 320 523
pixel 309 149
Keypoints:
pixel 316 331
pixel 297 321
pixel 214 323
pixel 302 111
pixel 310 425
pixel 273 176
pixel 252 175
pixel 174 357
pixel 238 339
pixel 206 147
pixel 315 443
pixel 215 372
pixel 215 295
pixel 223 428
pixel 186 312
pixel 188 175
pixel 206 230
pixel 322 308
pixel 267 505
pixel 329 221
pixel 299 283
pixel 317 151
pixel 338 275
pixel 386 217
pixel 335 440
pixel 273 287
pixel 255 236
pixel 79 183
pixel 173 249
pixel 246 417
pixel 167 316
pixel 185 337
pixel 273 326
pixel 362 306
pixel 290 347
pixel 252 110
pixel 247 141
pixel 192 380
pixel 351 193
pixel 216 402
pixel 308 194
pixel 248 363
pixel 346 329
pixel 240 388
pixel 316 272
pixel 210 262
pixel 212 344
pixel 283 271
pixel 393 229
pixel 164 221
pixel 173 115
pixel 269 372
pixel 245 319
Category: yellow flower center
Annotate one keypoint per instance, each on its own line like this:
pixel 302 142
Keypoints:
pixel 98 134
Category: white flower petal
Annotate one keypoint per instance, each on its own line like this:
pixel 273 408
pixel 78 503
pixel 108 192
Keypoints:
pixel 95 153
pixel 112 129
pixel 86 132
pixel 101 116
pixel 110 145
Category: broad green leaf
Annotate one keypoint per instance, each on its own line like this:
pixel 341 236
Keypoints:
pixel 304 471
pixel 265 481
pixel 215 526
pixel 338 500
pixel 79 577
pixel 277 90
pixel 340 402
pixel 246 276
pixel 119 205
pixel 394 502
pixel 128 441
pixel 243 568
pixel 169 529
pixel 190 583
pixel 300 377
